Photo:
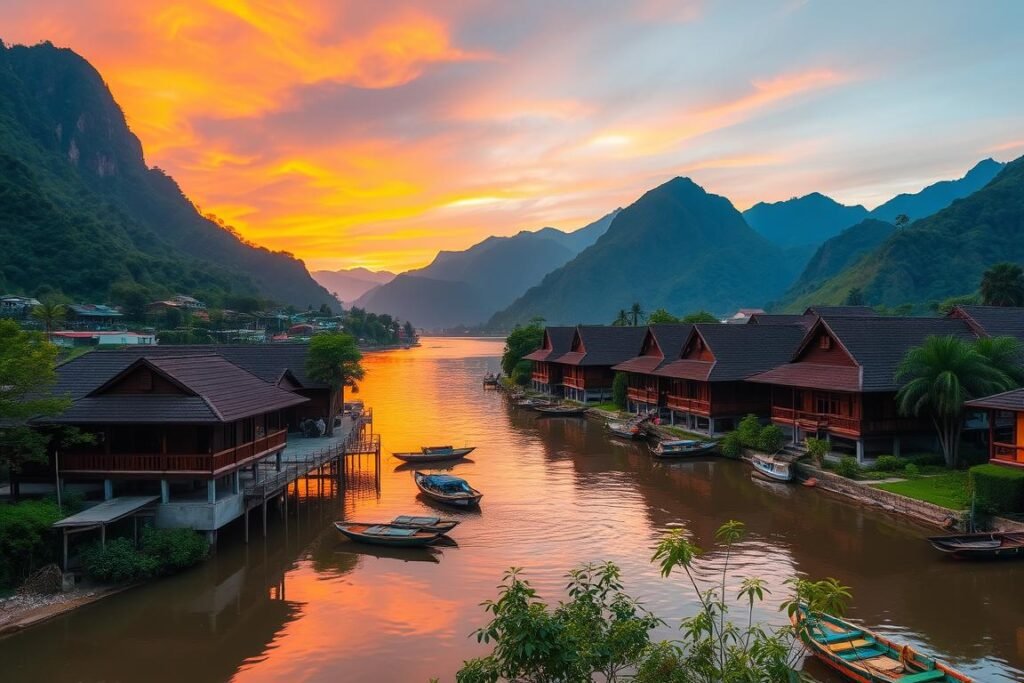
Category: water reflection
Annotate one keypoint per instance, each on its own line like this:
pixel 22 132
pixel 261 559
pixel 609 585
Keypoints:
pixel 310 605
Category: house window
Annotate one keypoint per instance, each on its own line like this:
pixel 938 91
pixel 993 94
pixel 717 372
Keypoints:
pixel 825 342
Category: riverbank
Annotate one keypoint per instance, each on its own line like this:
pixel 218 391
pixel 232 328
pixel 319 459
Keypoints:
pixel 21 611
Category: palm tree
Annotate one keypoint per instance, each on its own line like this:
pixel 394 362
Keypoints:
pixel 622 320
pixel 334 360
pixel 50 314
pixel 636 313
pixel 1004 354
pixel 1003 285
pixel 938 377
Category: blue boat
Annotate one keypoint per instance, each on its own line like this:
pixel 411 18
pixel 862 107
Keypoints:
pixel 767 466
pixel 444 488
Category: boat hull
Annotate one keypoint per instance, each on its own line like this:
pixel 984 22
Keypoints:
pixel 986 546
pixel 768 471
pixel 459 500
pixel 545 411
pixel 454 454
pixel 420 538
pixel 668 453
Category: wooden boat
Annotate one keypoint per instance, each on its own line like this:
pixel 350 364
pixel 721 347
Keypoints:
pixel 625 430
pixel 441 526
pixel 682 448
pixel 435 454
pixel 386 534
pixel 772 468
pixel 561 411
pixel 864 656
pixel 993 545
pixel 447 489
pixel 491 380
pixel 533 403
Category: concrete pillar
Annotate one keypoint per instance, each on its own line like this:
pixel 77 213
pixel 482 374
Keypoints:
pixel 108 489
pixel 860 451
pixel 896 446
pixel 211 491
pixel 211 536
pixel 236 482
pixel 277 460
pixel 711 425
pixel 165 491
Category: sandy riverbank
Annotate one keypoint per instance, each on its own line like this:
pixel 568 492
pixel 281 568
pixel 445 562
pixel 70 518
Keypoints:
pixel 19 611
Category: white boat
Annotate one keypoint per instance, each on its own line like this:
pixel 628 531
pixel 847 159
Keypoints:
pixel 768 466
pixel 681 448
pixel 435 454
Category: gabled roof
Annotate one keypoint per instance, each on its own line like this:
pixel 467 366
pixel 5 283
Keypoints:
pixel 876 345
pixel 804 320
pixel 992 321
pixel 1008 400
pixel 739 350
pixel 602 345
pixel 860 311
pixel 212 390
pixel 556 342
pixel 668 338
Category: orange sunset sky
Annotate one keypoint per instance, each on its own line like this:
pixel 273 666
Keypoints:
pixel 375 133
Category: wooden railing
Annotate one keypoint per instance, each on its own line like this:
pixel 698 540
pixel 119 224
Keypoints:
pixel 205 463
pixel 541 377
pixel 643 395
pixel 575 382
pixel 699 406
pixel 853 426
pixel 1008 453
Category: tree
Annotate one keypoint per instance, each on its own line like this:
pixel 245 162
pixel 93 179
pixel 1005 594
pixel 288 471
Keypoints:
pixel 50 314
pixel 172 318
pixel 938 377
pixel 854 297
pixel 622 319
pixel 901 221
pixel 636 314
pixel 1003 354
pixel 662 317
pixel 132 298
pixel 410 331
pixel 701 316
pixel 1003 285
pixel 620 388
pixel 27 372
pixel 334 360
pixel 521 341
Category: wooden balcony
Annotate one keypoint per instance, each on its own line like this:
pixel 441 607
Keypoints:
pixel 541 377
pixel 842 425
pixel 696 406
pixel 575 382
pixel 648 396
pixel 197 464
pixel 1008 454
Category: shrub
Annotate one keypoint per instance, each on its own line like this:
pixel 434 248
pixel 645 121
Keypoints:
pixel 27 539
pixel 911 470
pixel 926 459
pixel 174 549
pixel 620 386
pixel 889 463
pixel 848 467
pixel 118 562
pixel 817 449
pixel 749 431
pixel 771 439
pixel 997 487
pixel 731 446
pixel 522 372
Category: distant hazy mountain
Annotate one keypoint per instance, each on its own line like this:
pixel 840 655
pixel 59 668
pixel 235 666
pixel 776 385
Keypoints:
pixel 939 195
pixel 494 273
pixel 940 256
pixel 677 247
pixel 801 221
pixel 350 284
pixel 842 251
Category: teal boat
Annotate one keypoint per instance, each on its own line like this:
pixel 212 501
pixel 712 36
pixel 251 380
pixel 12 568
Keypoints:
pixel 864 656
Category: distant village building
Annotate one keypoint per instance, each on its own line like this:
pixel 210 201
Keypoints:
pixel 93 316
pixel 14 305
pixel 743 316
pixel 79 338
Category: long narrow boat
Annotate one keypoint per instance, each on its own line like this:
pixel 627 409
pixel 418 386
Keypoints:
pixel 561 411
pixel 986 546
pixel 435 454
pixel 864 656
pixel 778 470
pixel 625 430
pixel 386 534
pixel 447 489
pixel 533 403
pixel 682 448
pixel 441 526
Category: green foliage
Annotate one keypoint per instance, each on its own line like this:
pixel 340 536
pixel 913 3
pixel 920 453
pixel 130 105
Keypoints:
pixel 662 317
pixel 946 305
pixel 620 386
pixel 732 445
pixel 27 539
pixel 334 360
pixel 948 490
pixel 998 487
pixel 910 470
pixel 854 297
pixel 520 342
pixel 600 633
pixel 174 549
pixel 522 372
pixel 771 439
pixel 1002 285
pixel 848 467
pixel 940 375
pixel 749 431
pixel 163 551
pixel 817 449
pixel 889 463
pixel 621 319
pixel 636 314
pixel 700 316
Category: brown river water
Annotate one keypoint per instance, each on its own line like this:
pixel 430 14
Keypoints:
pixel 305 605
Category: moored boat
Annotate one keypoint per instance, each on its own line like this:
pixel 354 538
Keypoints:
pixel 441 526
pixel 864 656
pixel 386 534
pixel 533 403
pixel 447 489
pixel 561 411
pixel 435 454
pixel 625 430
pixel 491 380
pixel 681 448
pixel 772 468
pixel 989 545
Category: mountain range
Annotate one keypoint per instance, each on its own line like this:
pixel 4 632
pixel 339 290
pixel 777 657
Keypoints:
pixel 802 221
pixel 82 214
pixel 349 284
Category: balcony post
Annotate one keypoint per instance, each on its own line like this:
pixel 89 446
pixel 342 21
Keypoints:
pixel 896 446
pixel 860 451
pixel 108 489
pixel 165 491
pixel 211 490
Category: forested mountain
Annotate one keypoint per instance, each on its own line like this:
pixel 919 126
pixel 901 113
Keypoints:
pixel 938 195
pixel 677 247
pixel 940 256
pixel 802 221
pixel 348 284
pixel 494 273
pixel 80 211
pixel 842 251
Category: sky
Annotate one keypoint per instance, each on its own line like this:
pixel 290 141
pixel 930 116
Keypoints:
pixel 357 133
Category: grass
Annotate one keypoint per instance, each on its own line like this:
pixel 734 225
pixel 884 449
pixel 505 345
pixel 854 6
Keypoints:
pixel 948 490
pixel 609 406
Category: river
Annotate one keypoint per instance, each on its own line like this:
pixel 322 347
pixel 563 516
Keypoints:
pixel 305 605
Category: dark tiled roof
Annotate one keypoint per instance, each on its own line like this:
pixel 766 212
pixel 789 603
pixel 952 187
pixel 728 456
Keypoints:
pixel 134 409
pixel 813 376
pixel 742 350
pixel 670 340
pixel 804 321
pixel 993 321
pixel 687 369
pixel 605 345
pixel 641 365
pixel 1008 400
pixel 863 311
pixel 561 339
